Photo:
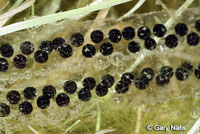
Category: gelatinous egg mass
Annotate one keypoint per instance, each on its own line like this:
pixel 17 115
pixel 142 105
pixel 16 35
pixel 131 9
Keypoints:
pixel 95 76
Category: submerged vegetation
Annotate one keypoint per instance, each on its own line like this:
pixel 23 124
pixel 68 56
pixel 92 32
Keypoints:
pixel 122 111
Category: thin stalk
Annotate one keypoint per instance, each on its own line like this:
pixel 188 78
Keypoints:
pixel 71 15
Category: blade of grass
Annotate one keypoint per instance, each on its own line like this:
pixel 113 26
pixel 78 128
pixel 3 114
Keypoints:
pixel 33 130
pixel 33 10
pixel 70 127
pixel 51 7
pixel 105 131
pixel 72 14
pixel 14 10
pixel 3 4
pixel 195 127
pixel 71 119
pixel 138 5
pixel 98 124
pixel 138 123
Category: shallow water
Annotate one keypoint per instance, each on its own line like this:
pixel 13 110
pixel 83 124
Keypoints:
pixel 177 100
